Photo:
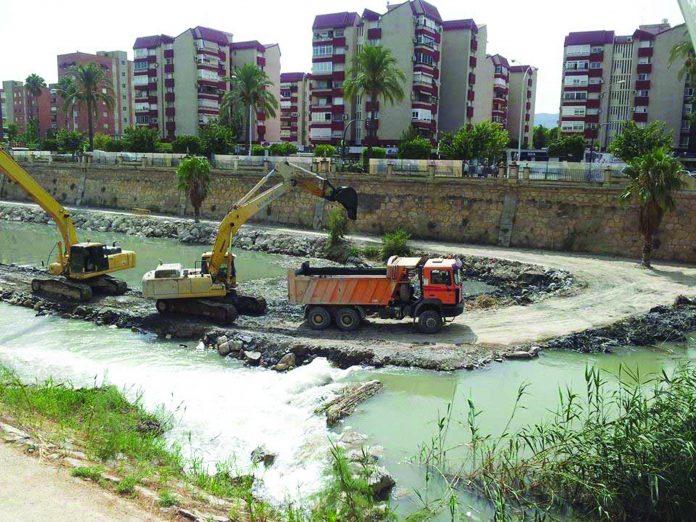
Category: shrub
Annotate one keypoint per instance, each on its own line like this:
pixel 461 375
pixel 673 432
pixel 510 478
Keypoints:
pixel 395 244
pixel 324 151
pixel 258 150
pixel 90 473
pixel 50 144
pixel 216 139
pixel 166 498
pixel 187 145
pixel 378 153
pixel 282 149
pixel 372 252
pixel 70 141
pixel 337 225
pixel 164 147
pixel 140 139
pixel 417 148
pixel 127 485
pixel 101 141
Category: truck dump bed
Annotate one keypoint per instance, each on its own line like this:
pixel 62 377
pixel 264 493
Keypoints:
pixel 340 286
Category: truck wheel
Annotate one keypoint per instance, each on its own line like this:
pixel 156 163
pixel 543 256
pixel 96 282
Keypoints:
pixel 162 306
pixel 429 321
pixel 347 319
pixel 318 318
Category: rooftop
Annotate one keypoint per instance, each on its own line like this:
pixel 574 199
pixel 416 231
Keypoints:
pixel 211 35
pixel 453 25
pixel 152 41
pixel 292 77
pixel 251 44
pixel 329 21
pixel 589 38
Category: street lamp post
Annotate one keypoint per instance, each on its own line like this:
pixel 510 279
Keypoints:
pixel 343 144
pixel 522 105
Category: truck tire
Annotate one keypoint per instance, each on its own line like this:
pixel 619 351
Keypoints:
pixel 347 319
pixel 429 321
pixel 318 318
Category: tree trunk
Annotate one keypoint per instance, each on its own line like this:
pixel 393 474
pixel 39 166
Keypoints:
pixel 36 116
pixel 90 125
pixel 647 250
pixel 196 214
pixel 249 127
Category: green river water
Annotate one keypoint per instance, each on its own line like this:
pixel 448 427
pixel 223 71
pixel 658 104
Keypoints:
pixel 223 410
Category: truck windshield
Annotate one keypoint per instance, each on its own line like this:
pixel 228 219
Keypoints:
pixel 440 277
pixel 457 277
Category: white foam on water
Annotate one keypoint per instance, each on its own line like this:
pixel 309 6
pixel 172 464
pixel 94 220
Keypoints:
pixel 221 410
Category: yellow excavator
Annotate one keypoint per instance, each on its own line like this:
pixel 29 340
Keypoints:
pixel 210 291
pixel 82 267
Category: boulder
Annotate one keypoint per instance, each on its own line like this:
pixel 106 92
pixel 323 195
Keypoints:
pixel 251 358
pixel 287 362
pixel 262 456
pixel 381 483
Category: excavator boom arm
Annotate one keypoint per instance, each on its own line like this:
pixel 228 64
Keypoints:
pixel 42 198
pixel 293 177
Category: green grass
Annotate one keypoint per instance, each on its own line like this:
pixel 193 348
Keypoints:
pixel 127 485
pixel 87 472
pixel 395 244
pixel 166 498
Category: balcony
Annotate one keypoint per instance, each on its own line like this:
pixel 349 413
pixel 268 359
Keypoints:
pixel 591 104
pixel 640 117
pixel 474 45
pixel 374 34
pixel 642 101
pixel 470 95
pixel 594 87
pixel 644 68
pixel 644 52
pixel 469 112
pixel 472 78
pixel 642 85
pixel 472 61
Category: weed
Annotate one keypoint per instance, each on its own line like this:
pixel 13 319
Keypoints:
pixel 166 498
pixel 127 485
pixel 337 225
pixel 87 472
pixel 372 252
pixel 485 301
pixel 395 244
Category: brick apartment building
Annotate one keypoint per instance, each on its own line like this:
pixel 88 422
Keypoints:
pixel 15 105
pixel 610 79
pixel 522 83
pixel 294 98
pixel 450 80
pixel 179 81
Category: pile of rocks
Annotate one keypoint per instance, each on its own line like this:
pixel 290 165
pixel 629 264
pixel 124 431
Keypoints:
pixel 660 324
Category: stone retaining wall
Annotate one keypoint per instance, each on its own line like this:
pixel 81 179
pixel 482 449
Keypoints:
pixel 547 215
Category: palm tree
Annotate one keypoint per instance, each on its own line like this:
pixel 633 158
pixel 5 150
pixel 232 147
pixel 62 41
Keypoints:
pixel 34 85
pixel 374 74
pixel 655 177
pixel 250 88
pixel 88 86
pixel 684 53
pixel 193 175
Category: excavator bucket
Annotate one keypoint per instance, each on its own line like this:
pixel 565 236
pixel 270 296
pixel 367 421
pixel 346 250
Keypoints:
pixel 347 197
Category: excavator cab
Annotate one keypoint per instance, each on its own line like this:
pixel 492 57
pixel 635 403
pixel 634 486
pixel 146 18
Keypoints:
pixel 86 258
pixel 226 273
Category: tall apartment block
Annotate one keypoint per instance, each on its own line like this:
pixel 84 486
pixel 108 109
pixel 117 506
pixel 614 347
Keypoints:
pixel 15 106
pixel 463 47
pixel 521 102
pixel 412 31
pixel 119 72
pixel 294 100
pixel 180 81
pixel 610 79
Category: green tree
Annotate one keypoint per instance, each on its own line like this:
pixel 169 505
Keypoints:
pixel 570 148
pixel 324 151
pixel 540 138
pixel 654 178
pixel 416 148
pixel 88 87
pixel 683 53
pixel 193 175
pixel 70 141
pixel 31 132
pixel 140 139
pixel 216 139
pixel 12 133
pixel 635 141
pixel 282 149
pixel 484 141
pixel 374 75
pixel 187 145
pixel 258 150
pixel 102 141
pixel 250 87
pixel 35 84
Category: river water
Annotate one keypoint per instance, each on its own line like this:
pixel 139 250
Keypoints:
pixel 222 411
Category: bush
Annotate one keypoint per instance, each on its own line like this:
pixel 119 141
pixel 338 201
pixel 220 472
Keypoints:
pixel 337 225
pixel 372 252
pixel 140 139
pixel 258 150
pixel 50 144
pixel 164 147
pixel 395 244
pixel 324 151
pixel 127 486
pixel 378 153
pixel 187 145
pixel 571 148
pixel 114 146
pixel 282 149
pixel 70 141
pixel 216 139
pixel 417 148
pixel 101 141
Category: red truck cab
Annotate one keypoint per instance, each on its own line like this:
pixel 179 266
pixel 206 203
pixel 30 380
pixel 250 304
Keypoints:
pixel 442 281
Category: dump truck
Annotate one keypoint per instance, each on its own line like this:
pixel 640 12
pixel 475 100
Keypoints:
pixel 428 290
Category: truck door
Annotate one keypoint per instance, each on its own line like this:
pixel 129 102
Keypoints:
pixel 439 284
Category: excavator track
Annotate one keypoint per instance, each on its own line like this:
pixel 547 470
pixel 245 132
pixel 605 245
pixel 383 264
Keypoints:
pixel 62 289
pixel 107 285
pixel 222 310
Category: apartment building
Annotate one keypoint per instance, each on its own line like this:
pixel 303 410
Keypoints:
pixel 15 108
pixel 119 72
pixel 412 31
pixel 521 102
pixel 463 47
pixel 610 79
pixel 180 81
pixel 294 113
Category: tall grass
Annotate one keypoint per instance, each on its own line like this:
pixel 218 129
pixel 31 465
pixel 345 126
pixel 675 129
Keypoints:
pixel 623 451
pixel 395 244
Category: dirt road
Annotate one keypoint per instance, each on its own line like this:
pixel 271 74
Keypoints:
pixel 32 490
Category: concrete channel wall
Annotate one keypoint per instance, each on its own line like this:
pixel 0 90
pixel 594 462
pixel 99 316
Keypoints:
pixel 564 216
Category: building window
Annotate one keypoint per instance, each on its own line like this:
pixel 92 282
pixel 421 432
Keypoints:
pixel 643 77
pixel 140 53
pixel 140 66
pixel 322 67
pixel 595 65
pixel 322 50
pixel 424 58
pixel 577 50
pixel 574 95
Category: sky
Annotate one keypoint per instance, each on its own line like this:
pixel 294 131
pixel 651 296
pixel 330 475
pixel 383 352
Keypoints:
pixel 528 31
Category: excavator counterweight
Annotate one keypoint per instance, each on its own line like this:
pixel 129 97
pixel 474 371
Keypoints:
pixel 210 291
